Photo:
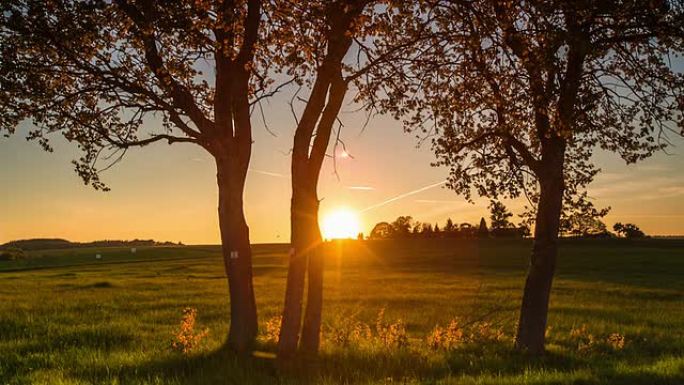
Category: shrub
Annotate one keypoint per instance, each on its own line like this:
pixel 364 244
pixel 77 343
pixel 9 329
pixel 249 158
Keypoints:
pixel 585 342
pixel 484 332
pixel 12 254
pixel 582 340
pixel 186 339
pixel 391 334
pixel 273 329
pixel 348 330
pixel 446 338
pixel 616 341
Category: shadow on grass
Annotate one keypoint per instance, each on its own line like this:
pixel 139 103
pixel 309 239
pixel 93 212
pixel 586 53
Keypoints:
pixel 216 367
pixel 36 349
pixel 490 364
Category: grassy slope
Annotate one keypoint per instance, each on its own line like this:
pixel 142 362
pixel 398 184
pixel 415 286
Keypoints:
pixel 66 317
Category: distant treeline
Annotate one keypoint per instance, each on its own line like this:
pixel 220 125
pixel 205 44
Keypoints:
pixel 57 243
pixel 406 227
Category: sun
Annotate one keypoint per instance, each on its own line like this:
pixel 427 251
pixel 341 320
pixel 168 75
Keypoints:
pixel 340 224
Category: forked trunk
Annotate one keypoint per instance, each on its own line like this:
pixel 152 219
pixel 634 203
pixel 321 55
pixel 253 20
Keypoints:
pixel 535 303
pixel 237 256
pixel 305 237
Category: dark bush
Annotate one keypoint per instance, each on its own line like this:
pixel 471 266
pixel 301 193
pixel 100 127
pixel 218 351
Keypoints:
pixel 12 254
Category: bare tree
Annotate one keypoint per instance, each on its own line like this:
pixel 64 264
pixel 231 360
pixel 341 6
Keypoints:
pixel 100 72
pixel 517 95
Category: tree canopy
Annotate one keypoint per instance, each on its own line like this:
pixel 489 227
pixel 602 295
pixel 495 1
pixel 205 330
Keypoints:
pixel 497 84
pixel 113 75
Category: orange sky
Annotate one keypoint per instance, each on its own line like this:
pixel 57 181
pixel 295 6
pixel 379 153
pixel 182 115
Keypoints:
pixel 169 192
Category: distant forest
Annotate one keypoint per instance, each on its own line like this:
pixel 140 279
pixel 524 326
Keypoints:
pixel 579 224
pixel 57 243
pixel 406 227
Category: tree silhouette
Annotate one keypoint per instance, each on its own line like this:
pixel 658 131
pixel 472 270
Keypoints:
pixel 382 230
pixel 318 37
pixel 417 229
pixel 100 72
pixel 499 215
pixel 482 230
pixel 518 95
pixel 401 227
pixel 427 231
pixel 628 230
pixel 584 220
pixel 322 34
pixel 449 226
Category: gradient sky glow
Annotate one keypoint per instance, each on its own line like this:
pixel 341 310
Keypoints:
pixel 169 192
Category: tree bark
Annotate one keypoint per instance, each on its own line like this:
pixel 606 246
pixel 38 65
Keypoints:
pixel 311 331
pixel 237 256
pixel 535 303
pixel 305 238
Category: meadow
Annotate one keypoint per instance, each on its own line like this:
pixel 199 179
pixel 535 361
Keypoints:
pixel 616 317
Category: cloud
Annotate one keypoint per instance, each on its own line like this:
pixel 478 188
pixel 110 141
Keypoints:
pixel 648 188
pixel 610 177
pixel 652 167
pixel 664 192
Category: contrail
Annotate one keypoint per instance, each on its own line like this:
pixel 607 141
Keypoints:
pixel 269 173
pixel 401 196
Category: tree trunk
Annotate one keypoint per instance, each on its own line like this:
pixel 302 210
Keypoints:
pixel 535 302
pixel 305 237
pixel 311 331
pixel 237 256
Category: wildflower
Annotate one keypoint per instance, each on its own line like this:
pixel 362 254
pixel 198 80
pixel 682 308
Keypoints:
pixel 391 334
pixel 273 329
pixel 186 339
pixel 616 341
pixel 446 338
pixel 584 341
pixel 485 332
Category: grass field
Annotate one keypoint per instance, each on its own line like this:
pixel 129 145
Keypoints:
pixel 67 318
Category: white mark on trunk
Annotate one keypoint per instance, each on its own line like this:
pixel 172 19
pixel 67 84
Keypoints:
pixel 234 255
pixel 292 252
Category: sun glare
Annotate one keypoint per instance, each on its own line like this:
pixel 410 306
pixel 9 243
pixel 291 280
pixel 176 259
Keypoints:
pixel 340 224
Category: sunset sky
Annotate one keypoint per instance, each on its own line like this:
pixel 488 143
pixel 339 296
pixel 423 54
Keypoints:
pixel 169 192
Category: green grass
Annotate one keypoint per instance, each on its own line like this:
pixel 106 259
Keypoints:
pixel 67 318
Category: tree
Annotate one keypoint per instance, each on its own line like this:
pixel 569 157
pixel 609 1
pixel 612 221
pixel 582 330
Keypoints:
pixel 401 227
pixel 449 227
pixel 417 229
pixel 482 231
pixel 97 72
pixel 318 35
pixel 427 230
pixel 437 230
pixel 499 215
pixel 584 220
pixel 382 230
pixel 519 94
pixel 628 230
